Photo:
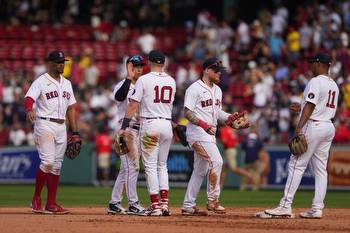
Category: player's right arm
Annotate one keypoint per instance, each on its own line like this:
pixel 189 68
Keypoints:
pixel 133 105
pixel 29 99
pixel 121 92
pixel 190 104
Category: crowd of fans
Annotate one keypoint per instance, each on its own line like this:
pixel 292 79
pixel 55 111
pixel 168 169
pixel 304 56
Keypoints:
pixel 266 62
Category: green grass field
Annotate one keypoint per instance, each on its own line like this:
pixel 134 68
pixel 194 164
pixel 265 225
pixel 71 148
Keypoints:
pixel 20 196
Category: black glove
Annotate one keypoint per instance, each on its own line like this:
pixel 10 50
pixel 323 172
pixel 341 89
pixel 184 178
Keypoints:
pixel 180 131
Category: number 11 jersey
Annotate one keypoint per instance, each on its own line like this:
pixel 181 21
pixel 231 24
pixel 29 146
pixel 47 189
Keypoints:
pixel 323 92
pixel 155 92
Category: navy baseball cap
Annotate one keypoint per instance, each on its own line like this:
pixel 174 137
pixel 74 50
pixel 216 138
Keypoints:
pixel 56 56
pixel 136 60
pixel 214 63
pixel 322 58
pixel 156 56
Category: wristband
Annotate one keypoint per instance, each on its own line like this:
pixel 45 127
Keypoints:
pixel 126 122
pixel 204 125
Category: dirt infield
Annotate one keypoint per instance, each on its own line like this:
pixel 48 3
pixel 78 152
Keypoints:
pixel 95 219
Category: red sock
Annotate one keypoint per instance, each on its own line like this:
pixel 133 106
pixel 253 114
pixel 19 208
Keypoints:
pixel 154 199
pixel 52 185
pixel 164 196
pixel 40 180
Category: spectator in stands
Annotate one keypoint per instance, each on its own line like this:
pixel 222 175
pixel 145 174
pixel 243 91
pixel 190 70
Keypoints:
pixel 229 140
pixel 103 148
pixel 253 147
pixel 17 135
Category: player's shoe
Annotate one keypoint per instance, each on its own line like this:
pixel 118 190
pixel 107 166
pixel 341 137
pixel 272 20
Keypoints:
pixel 280 212
pixel 215 207
pixel 312 213
pixel 135 209
pixel 55 209
pixel 116 208
pixel 153 210
pixel 165 210
pixel 193 211
pixel 36 205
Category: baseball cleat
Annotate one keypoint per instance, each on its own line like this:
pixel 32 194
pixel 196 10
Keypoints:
pixel 135 209
pixel 116 208
pixel 153 210
pixel 215 207
pixel 55 209
pixel 280 212
pixel 165 210
pixel 311 214
pixel 36 205
pixel 193 211
pixel 264 215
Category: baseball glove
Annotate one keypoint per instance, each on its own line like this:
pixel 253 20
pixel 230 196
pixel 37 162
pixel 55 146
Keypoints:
pixel 120 145
pixel 238 120
pixel 181 133
pixel 298 145
pixel 73 146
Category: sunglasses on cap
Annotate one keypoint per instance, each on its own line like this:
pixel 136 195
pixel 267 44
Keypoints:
pixel 137 59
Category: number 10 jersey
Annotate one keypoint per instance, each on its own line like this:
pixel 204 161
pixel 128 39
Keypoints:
pixel 156 92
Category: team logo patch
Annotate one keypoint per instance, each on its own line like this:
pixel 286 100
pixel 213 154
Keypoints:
pixel 311 95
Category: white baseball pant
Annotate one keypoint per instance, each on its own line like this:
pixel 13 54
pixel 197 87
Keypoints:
pixel 319 136
pixel 156 137
pixel 129 170
pixel 207 161
pixel 51 142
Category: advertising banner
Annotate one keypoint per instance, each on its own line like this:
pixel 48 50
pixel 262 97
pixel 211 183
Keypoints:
pixel 18 165
pixel 279 159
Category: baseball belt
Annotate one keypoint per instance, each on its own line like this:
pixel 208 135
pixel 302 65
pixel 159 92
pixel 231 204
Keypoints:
pixel 58 121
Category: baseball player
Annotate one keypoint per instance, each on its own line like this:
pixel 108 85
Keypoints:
pixel 54 101
pixel 154 96
pixel 129 169
pixel 318 108
pixel 203 109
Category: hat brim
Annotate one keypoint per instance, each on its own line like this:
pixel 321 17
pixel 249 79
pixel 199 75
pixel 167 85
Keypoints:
pixel 138 63
pixel 60 60
pixel 313 61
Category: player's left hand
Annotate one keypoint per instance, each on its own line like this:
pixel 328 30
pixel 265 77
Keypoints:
pixel 130 70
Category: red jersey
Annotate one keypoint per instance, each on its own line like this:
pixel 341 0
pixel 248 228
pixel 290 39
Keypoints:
pixel 103 143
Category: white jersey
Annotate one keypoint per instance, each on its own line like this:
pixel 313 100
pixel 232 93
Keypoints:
pixel 205 103
pixel 51 97
pixel 122 105
pixel 323 92
pixel 156 92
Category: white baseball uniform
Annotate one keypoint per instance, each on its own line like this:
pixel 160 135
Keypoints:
pixel 155 92
pixel 206 103
pixel 130 163
pixel 52 99
pixel 319 131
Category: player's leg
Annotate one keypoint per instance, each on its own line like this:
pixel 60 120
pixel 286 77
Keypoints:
pixel 166 137
pixel 149 140
pixel 54 176
pixel 319 167
pixel 214 173
pixel 133 163
pixel 296 169
pixel 44 139
pixel 114 206
pixel 200 170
